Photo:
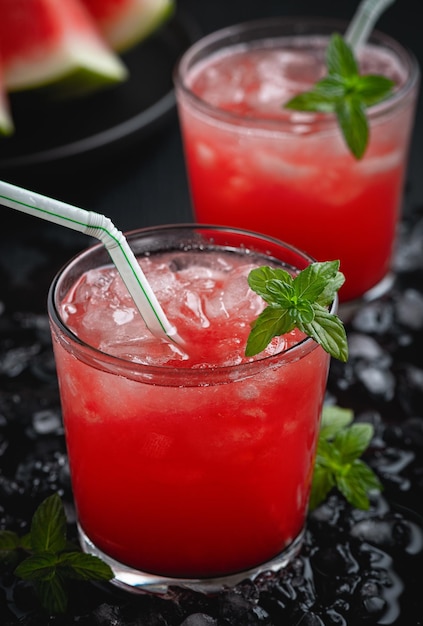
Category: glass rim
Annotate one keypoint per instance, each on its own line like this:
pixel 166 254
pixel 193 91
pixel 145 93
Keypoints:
pixel 118 365
pixel 233 35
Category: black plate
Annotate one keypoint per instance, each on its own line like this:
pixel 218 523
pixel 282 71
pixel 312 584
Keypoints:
pixel 51 132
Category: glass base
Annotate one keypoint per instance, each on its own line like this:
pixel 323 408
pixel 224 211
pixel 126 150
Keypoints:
pixel 347 310
pixel 136 581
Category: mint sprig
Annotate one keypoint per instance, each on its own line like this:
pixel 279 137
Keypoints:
pixel 338 464
pixel 298 302
pixel 52 561
pixel 346 93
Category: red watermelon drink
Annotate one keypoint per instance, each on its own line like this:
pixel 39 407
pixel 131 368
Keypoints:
pixel 188 462
pixel 254 164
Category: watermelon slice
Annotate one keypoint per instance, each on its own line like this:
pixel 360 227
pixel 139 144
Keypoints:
pixel 54 43
pixel 126 22
pixel 6 123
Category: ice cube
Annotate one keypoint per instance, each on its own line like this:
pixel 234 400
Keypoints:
pixel 410 309
pixel 284 73
pixel 236 298
pixel 161 277
pixel 205 153
pixel 199 619
pixel 47 421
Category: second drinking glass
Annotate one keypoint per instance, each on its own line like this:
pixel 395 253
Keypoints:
pixel 253 164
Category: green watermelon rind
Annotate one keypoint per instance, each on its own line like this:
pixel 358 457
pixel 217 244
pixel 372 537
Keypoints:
pixel 77 66
pixel 7 127
pixel 74 84
pixel 139 23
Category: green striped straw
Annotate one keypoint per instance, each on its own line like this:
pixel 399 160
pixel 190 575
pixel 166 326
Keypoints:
pixel 99 226
pixel 365 18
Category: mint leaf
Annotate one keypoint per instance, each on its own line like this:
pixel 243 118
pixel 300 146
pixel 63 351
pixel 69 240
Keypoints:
pixel 53 595
pixel 271 322
pixel 298 302
pixel 319 282
pixel 50 571
pixel 346 93
pixel 38 567
pixel 323 483
pixel 372 88
pixel 8 541
pixel 48 528
pixel 353 123
pixel 51 559
pixel 341 443
pixel 82 566
pixel 258 280
pixel 356 483
pixel 328 330
pixel 353 441
pixel 340 59
pixel 334 418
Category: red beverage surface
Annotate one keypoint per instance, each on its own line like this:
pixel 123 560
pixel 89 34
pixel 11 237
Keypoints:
pixel 180 478
pixel 298 184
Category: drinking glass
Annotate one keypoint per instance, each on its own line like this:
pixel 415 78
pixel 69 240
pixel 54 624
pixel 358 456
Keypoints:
pixel 191 475
pixel 254 164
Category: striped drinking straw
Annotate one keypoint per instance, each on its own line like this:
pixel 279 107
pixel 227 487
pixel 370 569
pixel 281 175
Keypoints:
pixel 101 227
pixel 363 21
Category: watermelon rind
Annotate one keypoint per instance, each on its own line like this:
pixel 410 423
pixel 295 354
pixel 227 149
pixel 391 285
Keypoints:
pixel 6 123
pixel 78 67
pixel 139 20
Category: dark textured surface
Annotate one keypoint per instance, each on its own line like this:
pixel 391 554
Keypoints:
pixel 355 568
